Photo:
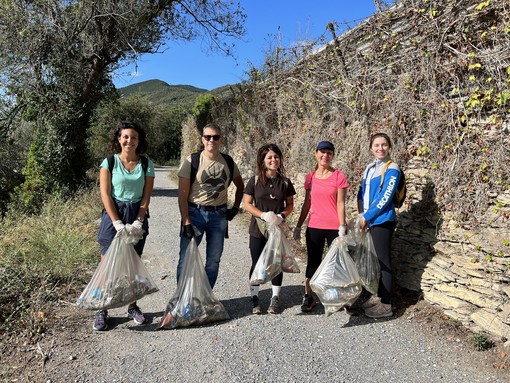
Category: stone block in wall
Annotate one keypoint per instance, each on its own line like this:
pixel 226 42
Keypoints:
pixel 440 274
pixel 494 285
pixel 443 248
pixel 504 198
pixel 468 295
pixel 448 302
pixel 492 293
pixel 506 290
pixel 491 321
pixel 441 261
pixel 505 313
pixel 464 262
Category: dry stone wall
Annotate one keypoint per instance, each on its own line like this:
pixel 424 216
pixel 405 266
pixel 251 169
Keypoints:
pixel 435 75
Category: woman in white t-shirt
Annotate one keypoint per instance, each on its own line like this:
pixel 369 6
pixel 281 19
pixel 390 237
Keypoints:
pixel 326 190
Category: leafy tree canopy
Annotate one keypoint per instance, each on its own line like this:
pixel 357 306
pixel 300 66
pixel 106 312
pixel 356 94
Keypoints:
pixel 56 62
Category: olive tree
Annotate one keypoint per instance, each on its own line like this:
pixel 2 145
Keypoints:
pixel 56 62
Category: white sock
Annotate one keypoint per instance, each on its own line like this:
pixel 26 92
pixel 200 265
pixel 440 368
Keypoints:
pixel 276 290
pixel 254 290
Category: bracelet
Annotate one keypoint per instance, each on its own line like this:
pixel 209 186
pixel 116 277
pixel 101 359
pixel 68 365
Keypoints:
pixel 141 219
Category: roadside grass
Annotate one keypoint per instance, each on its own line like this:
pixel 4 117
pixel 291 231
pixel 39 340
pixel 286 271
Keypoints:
pixel 45 257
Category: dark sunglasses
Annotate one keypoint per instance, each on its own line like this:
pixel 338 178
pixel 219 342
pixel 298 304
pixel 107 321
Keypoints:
pixel 215 137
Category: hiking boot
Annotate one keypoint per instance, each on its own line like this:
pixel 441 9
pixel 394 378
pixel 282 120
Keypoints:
pixel 308 303
pixel 380 310
pixel 100 321
pixel 136 314
pixel 274 306
pixel 370 302
pixel 256 305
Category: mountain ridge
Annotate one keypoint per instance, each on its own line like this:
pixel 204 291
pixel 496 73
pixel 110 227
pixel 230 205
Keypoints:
pixel 160 93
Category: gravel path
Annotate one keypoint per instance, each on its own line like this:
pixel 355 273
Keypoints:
pixel 290 347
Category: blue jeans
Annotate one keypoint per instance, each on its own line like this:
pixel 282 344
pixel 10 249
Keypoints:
pixel 213 224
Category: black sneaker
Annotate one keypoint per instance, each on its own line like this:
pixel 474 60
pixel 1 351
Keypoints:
pixel 136 314
pixel 100 320
pixel 274 306
pixel 308 303
pixel 256 305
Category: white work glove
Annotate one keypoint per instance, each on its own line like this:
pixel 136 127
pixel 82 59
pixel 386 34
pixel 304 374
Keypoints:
pixel 118 225
pixel 136 229
pixel 271 218
pixel 342 231
pixel 297 233
pixel 137 224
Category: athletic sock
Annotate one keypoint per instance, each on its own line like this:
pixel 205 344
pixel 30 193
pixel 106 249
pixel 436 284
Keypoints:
pixel 254 290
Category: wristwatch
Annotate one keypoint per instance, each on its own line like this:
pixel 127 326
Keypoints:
pixel 141 219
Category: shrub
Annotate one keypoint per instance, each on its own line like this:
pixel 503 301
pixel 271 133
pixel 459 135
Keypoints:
pixel 41 254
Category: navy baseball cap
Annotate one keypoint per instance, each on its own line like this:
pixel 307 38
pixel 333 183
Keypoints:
pixel 326 145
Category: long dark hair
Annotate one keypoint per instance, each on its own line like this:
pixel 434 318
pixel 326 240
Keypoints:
pixel 143 145
pixel 261 167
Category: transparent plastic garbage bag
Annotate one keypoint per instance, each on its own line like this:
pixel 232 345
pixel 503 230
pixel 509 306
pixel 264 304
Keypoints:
pixel 120 278
pixel 193 302
pixel 276 257
pixel 365 258
pixel 336 282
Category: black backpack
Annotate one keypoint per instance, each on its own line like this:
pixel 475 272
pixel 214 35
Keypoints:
pixel 195 162
pixel 111 163
pixel 400 194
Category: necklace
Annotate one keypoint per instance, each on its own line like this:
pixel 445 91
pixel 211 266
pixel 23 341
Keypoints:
pixel 270 183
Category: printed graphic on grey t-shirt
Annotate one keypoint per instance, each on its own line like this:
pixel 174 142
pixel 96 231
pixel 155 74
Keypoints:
pixel 213 180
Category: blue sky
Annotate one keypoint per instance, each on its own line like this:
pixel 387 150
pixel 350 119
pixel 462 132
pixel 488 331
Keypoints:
pixel 190 63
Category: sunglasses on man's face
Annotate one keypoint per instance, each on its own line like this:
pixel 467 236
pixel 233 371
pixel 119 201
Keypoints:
pixel 208 137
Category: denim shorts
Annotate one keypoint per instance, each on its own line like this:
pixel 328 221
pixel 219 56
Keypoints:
pixel 128 212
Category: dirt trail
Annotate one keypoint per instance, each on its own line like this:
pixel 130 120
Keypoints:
pixel 290 347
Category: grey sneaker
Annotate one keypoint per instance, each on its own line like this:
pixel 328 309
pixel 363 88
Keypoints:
pixel 370 302
pixel 308 303
pixel 136 314
pixel 380 310
pixel 100 321
pixel 274 306
pixel 256 305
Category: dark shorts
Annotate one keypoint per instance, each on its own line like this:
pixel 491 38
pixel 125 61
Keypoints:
pixel 128 211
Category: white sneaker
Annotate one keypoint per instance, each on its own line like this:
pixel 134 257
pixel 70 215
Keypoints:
pixel 370 302
pixel 380 310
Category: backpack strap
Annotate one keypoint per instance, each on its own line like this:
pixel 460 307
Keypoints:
pixel 230 163
pixel 111 162
pixel 386 165
pixel 145 164
pixel 195 161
